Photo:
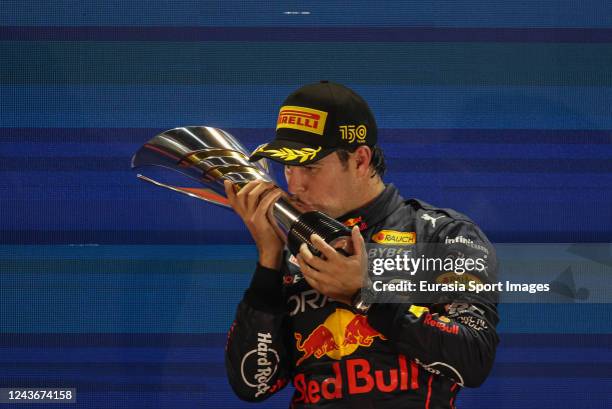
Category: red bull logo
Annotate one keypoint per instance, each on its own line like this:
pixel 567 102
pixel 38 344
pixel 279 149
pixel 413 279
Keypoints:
pixel 340 335
pixel 359 332
pixel 356 220
pixel 319 342
pixel 353 221
pixel 442 323
pixel 361 377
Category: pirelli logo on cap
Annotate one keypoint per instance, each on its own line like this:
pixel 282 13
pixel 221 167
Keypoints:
pixel 401 238
pixel 302 119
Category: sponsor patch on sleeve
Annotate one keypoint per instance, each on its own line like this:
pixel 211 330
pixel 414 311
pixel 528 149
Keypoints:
pixel 400 238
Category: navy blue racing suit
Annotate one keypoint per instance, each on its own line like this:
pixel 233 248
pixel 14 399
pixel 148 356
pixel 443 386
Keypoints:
pixel 408 355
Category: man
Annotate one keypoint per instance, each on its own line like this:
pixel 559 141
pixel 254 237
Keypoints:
pixel 303 318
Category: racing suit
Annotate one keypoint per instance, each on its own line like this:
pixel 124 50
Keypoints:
pixel 395 355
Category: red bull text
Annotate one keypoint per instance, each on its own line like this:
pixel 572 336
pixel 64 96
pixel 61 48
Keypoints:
pixel 442 326
pixel 360 378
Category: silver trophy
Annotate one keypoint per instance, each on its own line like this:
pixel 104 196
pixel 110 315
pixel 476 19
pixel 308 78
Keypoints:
pixel 210 156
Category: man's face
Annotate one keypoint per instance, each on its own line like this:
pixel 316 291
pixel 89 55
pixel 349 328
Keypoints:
pixel 327 185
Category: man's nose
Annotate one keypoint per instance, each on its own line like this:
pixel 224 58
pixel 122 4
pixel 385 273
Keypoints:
pixel 296 182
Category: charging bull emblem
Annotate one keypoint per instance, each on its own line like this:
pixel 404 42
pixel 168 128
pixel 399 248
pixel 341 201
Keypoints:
pixel 340 335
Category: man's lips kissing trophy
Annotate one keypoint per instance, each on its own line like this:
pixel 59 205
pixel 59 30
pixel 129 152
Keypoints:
pixel 212 155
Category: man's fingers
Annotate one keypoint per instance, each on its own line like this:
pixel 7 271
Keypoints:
pixel 247 188
pixel 326 250
pixel 248 197
pixel 264 205
pixel 358 242
pixel 313 283
pixel 321 282
pixel 310 273
pixel 229 191
pixel 238 198
pixel 270 197
pixel 253 196
pixel 304 267
pixel 310 258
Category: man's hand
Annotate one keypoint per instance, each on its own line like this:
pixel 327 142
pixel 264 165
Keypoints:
pixel 337 276
pixel 253 203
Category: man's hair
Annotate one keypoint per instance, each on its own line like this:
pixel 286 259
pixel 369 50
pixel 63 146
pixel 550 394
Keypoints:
pixel 377 164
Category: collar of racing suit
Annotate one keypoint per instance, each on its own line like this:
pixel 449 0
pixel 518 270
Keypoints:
pixel 375 211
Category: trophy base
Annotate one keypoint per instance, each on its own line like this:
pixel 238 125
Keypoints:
pixel 332 231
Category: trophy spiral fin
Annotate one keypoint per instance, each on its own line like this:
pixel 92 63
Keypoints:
pixel 208 195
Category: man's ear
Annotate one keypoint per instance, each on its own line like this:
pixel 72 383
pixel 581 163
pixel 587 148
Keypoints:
pixel 363 157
